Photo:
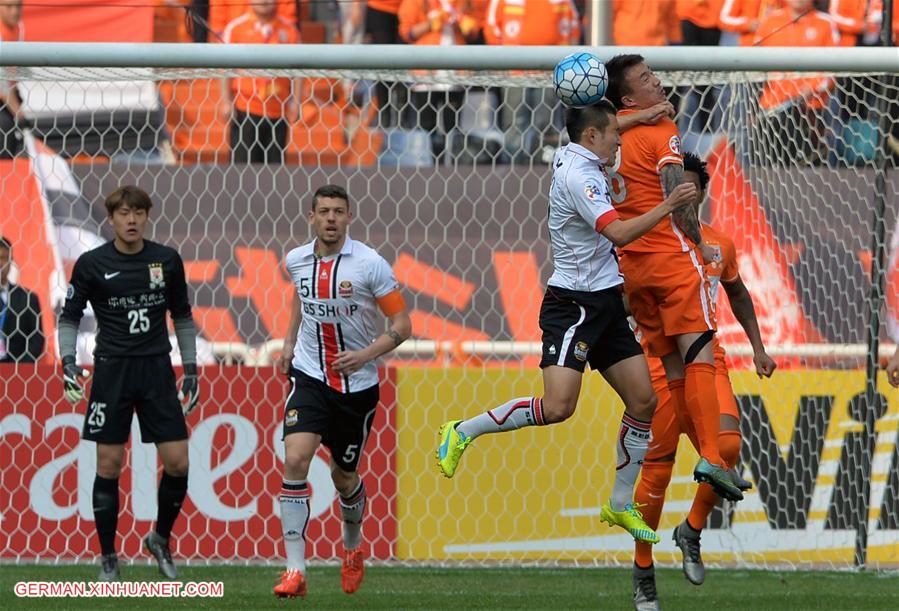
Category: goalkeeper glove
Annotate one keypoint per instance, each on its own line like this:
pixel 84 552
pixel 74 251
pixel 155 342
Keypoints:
pixel 70 379
pixel 190 389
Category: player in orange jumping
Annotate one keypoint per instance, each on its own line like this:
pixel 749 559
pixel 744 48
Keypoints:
pixel 667 427
pixel 664 280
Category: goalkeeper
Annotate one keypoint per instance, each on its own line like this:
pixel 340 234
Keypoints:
pixel 130 283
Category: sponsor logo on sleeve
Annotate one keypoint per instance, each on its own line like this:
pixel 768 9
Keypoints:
pixel 592 192
pixel 674 145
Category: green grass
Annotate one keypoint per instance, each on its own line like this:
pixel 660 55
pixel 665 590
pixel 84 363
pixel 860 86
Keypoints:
pixel 559 589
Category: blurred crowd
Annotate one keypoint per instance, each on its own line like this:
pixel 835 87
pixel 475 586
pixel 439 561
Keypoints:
pixel 259 115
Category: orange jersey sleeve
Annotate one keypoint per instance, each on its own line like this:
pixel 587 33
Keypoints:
pixel 636 183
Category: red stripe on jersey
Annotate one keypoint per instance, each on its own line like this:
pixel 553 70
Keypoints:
pixel 324 279
pixel 605 219
pixel 329 336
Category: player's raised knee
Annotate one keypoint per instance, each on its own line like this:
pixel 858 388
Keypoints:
pixel 558 410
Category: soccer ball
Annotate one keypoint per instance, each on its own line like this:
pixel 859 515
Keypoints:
pixel 580 79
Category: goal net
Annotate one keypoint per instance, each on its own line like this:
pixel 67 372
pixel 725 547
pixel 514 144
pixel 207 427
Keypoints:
pixel 448 172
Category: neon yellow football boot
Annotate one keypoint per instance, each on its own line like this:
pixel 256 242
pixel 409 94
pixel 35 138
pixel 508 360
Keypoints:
pixel 449 451
pixel 630 520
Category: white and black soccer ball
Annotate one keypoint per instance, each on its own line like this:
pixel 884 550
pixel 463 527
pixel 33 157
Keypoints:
pixel 580 79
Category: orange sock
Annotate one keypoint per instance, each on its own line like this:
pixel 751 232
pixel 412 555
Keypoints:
pixel 650 493
pixel 729 443
pixel 676 388
pixel 701 399
pixel 706 499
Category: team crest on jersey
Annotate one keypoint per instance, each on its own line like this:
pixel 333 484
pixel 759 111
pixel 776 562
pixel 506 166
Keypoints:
pixel 593 192
pixel 345 289
pixel 580 351
pixel 674 145
pixel 70 292
pixel 157 280
pixel 291 417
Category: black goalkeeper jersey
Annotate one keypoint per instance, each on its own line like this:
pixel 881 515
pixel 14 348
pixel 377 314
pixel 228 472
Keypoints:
pixel 130 295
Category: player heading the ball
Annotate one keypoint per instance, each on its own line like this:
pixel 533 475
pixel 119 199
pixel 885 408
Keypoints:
pixel 582 316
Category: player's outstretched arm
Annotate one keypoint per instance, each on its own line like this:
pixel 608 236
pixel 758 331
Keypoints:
pixel 893 369
pixel 290 338
pixel 399 330
pixel 744 311
pixel 646 116
pixel 621 233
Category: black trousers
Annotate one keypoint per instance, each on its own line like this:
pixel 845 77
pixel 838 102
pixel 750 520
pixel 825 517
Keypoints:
pixel 256 139
pixel 382 28
pixel 694 35
pixel 10 138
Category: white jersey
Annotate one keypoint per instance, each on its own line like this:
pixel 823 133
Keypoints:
pixel 579 208
pixel 339 305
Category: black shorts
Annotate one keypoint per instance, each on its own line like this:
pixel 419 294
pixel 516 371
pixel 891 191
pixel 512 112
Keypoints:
pixel 581 327
pixel 121 386
pixel 342 419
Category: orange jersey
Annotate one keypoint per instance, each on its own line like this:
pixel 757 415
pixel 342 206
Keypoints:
pixel 385 6
pixel 636 184
pixel 782 29
pixel 744 16
pixel 849 15
pixel 261 96
pixel 223 12
pixel 649 23
pixel 532 22
pixel 703 13
pixel 414 12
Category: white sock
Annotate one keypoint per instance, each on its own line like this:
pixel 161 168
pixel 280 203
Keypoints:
pixel 512 415
pixel 352 508
pixel 294 520
pixel 633 438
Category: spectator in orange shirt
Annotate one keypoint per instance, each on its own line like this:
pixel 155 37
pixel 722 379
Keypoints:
pixel 527 112
pixel 433 107
pixel 794 108
pixel 223 12
pixel 849 15
pixel 744 17
pixel 11 30
pixel 699 27
pixel 262 107
pixel 645 23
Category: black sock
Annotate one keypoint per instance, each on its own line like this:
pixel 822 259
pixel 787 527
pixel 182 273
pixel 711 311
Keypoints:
pixel 106 512
pixel 172 491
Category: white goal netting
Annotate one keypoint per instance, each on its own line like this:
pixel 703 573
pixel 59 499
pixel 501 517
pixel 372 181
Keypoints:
pixel 448 174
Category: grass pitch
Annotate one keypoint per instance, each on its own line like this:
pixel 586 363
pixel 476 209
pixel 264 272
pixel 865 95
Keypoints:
pixel 559 589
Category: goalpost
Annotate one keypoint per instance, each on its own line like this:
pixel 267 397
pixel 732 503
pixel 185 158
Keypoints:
pixel 448 180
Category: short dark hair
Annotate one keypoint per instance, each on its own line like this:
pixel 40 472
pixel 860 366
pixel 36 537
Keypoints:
pixel 335 191
pixel 596 115
pixel 693 163
pixel 5 243
pixel 615 69
pixel 128 195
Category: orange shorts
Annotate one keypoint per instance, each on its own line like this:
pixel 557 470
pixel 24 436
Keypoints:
pixel 666 426
pixel 669 295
